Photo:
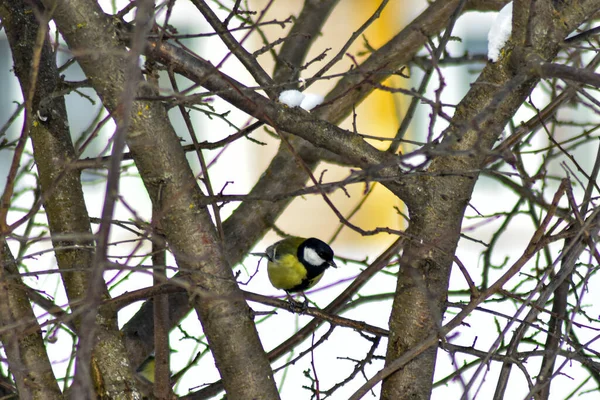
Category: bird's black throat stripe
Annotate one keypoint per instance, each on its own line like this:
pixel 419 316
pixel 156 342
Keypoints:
pixel 311 273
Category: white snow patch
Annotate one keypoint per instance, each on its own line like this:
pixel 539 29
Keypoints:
pixel 311 100
pixel 500 32
pixel 295 98
pixel 291 98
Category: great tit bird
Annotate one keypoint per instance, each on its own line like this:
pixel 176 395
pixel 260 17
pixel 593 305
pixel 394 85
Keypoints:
pixel 297 264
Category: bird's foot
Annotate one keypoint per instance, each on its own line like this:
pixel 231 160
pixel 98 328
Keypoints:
pixel 297 307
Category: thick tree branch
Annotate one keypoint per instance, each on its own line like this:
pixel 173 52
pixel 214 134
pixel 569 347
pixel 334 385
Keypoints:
pixel 171 185
pixel 61 190
pixel 421 347
pixel 436 220
pixel 21 335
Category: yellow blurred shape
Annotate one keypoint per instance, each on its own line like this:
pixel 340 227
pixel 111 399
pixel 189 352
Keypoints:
pixel 376 116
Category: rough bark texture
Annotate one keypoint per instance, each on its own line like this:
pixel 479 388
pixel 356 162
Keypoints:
pixel 21 336
pixel 62 193
pixel 436 218
pixel 185 221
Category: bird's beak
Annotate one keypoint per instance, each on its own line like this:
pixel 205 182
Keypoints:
pixel 332 263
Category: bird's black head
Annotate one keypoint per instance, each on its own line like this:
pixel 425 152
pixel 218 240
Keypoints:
pixel 316 253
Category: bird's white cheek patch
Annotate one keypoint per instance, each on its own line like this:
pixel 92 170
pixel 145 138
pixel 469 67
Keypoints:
pixel 311 257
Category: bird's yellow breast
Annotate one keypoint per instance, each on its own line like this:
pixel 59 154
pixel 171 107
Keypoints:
pixel 286 273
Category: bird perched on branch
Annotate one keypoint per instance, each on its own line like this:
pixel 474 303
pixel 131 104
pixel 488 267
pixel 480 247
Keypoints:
pixel 297 264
